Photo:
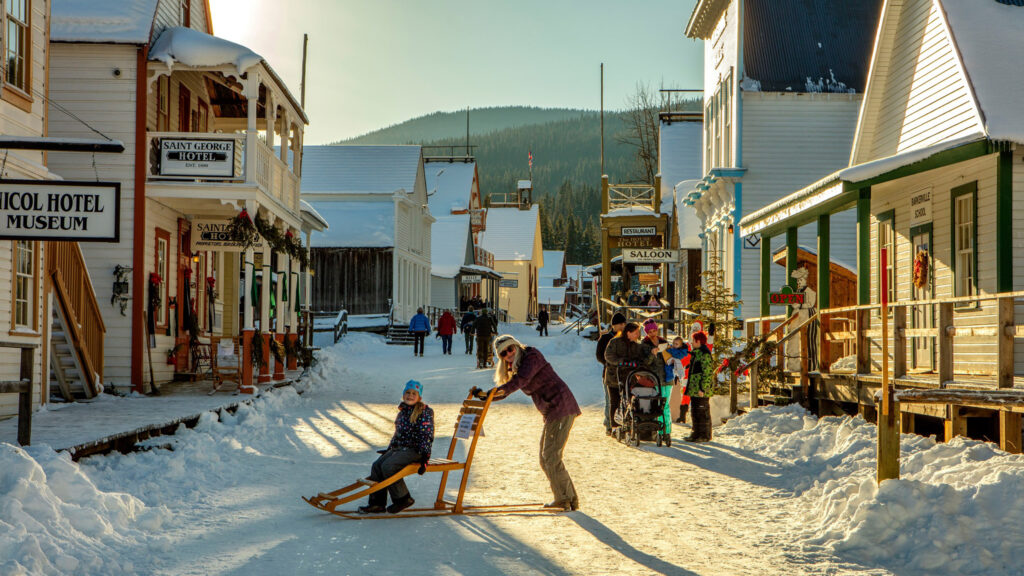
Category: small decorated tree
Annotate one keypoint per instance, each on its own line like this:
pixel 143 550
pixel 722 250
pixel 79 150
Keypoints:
pixel 716 308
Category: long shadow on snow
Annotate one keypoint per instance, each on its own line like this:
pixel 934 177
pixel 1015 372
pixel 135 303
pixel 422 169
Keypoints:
pixel 740 464
pixel 609 538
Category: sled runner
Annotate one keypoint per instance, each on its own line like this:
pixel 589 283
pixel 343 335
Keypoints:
pixel 469 426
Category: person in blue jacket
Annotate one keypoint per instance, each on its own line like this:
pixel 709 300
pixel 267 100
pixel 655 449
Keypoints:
pixel 420 328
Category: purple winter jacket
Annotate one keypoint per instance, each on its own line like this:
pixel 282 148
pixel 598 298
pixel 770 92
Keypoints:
pixel 537 379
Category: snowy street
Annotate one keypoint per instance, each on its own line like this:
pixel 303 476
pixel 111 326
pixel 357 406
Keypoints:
pixel 776 492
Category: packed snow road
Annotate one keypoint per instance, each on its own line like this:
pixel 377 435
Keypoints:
pixel 777 492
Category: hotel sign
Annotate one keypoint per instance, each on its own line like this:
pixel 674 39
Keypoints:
pixel 635 241
pixel 60 210
pixel 212 234
pixel 197 158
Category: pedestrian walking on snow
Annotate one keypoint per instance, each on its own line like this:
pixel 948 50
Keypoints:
pixel 468 319
pixel 542 322
pixel 618 323
pixel 411 443
pixel 484 329
pixel 623 354
pixel 525 368
pixel 445 330
pixel 699 387
pixel 420 327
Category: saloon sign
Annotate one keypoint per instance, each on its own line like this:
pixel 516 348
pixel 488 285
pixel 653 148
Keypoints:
pixel 60 210
pixel 649 255
pixel 194 158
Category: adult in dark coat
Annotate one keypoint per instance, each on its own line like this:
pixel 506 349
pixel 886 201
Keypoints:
pixel 468 319
pixel 618 323
pixel 525 368
pixel 484 329
pixel 623 354
pixel 445 330
pixel 542 322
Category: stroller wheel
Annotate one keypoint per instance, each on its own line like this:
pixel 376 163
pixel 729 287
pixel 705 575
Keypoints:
pixel 659 440
pixel 635 439
pixel 668 441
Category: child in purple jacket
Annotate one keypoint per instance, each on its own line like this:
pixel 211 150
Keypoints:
pixel 414 436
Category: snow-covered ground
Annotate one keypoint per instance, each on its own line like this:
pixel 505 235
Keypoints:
pixel 777 492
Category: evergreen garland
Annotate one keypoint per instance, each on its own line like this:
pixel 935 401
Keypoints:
pixel 242 230
pixel 277 349
pixel 258 361
pixel 271 234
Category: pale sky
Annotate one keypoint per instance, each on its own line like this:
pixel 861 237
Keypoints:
pixel 378 62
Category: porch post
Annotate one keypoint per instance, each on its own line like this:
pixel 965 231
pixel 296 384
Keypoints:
pixel 252 94
pixel 307 290
pixel 285 136
pixel 824 285
pixel 864 246
pixel 280 314
pixel 791 256
pixel 246 333
pixel 271 118
pixel 766 274
pixel 1004 222
pixel 265 315
pixel 606 251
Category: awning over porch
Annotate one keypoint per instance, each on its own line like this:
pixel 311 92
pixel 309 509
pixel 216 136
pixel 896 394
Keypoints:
pixel 481 270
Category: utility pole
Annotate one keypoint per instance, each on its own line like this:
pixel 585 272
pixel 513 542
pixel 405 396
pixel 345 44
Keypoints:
pixel 602 118
pixel 302 86
pixel 467 131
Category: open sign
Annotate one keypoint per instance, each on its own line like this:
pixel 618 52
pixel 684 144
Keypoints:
pixel 785 298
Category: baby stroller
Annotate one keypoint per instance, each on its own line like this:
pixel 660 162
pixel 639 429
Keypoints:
pixel 641 409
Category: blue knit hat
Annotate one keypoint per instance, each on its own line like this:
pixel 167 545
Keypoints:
pixel 413 385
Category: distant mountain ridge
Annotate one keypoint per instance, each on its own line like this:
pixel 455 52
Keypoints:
pixel 452 125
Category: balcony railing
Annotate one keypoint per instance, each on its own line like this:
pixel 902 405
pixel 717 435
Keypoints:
pixel 268 172
pixel 632 196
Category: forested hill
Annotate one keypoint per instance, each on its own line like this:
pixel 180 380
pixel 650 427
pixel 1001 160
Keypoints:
pixel 566 147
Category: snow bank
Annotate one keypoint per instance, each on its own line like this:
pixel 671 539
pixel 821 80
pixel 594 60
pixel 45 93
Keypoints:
pixel 54 520
pixel 946 515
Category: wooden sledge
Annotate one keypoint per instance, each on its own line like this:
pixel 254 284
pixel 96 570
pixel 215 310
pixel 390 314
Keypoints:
pixel 331 501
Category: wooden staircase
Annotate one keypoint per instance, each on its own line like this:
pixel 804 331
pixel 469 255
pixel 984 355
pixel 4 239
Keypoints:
pixel 398 334
pixel 77 328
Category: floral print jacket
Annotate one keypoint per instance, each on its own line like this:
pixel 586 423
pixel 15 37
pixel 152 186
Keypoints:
pixel 418 435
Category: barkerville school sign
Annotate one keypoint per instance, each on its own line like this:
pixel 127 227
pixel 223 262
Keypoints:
pixel 60 210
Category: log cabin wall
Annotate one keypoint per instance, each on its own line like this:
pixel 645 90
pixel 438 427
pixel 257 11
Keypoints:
pixel 355 279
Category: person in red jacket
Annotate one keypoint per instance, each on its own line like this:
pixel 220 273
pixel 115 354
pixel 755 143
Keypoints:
pixel 446 327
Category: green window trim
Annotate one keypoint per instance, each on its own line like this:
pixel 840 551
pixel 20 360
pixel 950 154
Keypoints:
pixel 954 195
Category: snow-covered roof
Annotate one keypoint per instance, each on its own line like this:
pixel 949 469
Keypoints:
pixel 551 295
pixel 106 22
pixel 449 239
pixel 552 269
pixel 630 211
pixel 359 169
pixel 987 35
pixel 307 209
pixel 355 224
pixel 453 189
pixel 484 270
pixel 511 233
pixel 180 45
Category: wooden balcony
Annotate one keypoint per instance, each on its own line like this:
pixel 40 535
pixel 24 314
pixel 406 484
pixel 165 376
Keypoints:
pixel 254 171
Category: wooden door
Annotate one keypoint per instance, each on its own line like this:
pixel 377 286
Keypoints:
pixel 922 348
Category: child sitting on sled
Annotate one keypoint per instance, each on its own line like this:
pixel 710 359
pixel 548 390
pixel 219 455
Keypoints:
pixel 414 436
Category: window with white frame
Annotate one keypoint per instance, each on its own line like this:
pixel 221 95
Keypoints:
pixel 965 278
pixel 24 284
pixel 17 43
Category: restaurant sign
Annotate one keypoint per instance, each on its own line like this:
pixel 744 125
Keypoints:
pixel 197 158
pixel 212 234
pixel 639 230
pixel 60 210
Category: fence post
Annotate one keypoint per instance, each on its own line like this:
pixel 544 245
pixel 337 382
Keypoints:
pixel 805 379
pixel 25 397
pixel 733 391
pixel 888 466
pixel 1009 422
pixel 899 325
pixel 945 343
pixel 863 350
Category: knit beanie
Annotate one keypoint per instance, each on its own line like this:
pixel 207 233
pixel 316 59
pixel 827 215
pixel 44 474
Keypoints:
pixel 618 318
pixel 650 324
pixel 504 341
pixel 413 385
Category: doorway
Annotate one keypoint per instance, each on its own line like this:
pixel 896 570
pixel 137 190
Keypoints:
pixel 922 348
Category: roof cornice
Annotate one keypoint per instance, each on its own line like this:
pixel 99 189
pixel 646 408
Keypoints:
pixel 704 18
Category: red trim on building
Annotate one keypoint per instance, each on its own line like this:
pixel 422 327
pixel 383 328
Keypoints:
pixel 139 277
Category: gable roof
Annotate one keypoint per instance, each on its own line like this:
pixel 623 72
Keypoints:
pixel 989 36
pixel 449 237
pixel 511 233
pixel 355 224
pixel 553 260
pixel 359 169
pixel 453 189
pixel 107 22
pixel 809 45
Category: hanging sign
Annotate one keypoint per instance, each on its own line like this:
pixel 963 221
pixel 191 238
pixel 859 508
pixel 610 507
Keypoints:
pixel 471 279
pixel 635 241
pixel 649 255
pixel 785 297
pixel 648 279
pixel 639 230
pixel 211 234
pixel 921 207
pixel 60 210
pixel 199 158
pixel 508 283
pixel 643 268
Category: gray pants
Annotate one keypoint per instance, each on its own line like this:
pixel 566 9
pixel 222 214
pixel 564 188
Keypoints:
pixel 386 466
pixel 552 444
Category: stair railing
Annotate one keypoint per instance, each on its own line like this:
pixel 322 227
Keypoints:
pixel 77 300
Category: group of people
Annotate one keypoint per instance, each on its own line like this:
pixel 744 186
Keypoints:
pixel 647 299
pixel 475 325
pixel 687 365
pixel 519 367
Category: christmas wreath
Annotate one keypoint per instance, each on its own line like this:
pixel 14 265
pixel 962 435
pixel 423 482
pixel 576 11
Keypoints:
pixel 921 269
pixel 242 230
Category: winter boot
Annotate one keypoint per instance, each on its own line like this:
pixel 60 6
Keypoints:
pixel 400 505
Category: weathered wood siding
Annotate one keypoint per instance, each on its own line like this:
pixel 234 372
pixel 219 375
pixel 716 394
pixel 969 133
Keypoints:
pixel 355 279
pixel 918 94
pixel 790 141
pixel 973 355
